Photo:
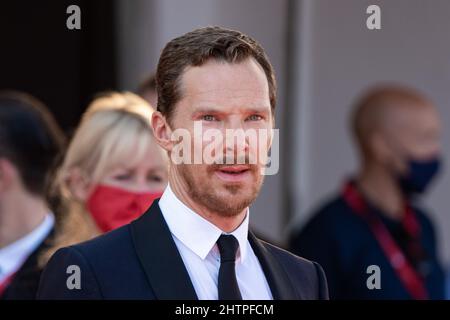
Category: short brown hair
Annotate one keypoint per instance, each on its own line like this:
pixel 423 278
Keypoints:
pixel 194 49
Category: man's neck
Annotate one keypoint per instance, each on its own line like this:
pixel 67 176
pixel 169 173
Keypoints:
pixel 225 223
pixel 381 189
pixel 20 215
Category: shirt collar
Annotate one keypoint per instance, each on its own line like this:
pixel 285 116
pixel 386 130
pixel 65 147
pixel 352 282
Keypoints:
pixel 195 232
pixel 14 255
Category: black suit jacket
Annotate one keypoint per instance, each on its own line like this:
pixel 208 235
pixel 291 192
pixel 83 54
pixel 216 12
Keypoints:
pixel 141 261
pixel 26 281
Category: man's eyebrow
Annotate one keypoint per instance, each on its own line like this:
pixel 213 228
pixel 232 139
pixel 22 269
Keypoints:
pixel 208 109
pixel 212 109
pixel 262 109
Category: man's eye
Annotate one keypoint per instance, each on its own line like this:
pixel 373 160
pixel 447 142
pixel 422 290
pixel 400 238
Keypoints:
pixel 255 117
pixel 209 117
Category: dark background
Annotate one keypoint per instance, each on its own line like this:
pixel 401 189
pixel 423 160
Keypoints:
pixel 63 68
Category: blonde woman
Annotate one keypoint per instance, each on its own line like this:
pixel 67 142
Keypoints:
pixel 112 171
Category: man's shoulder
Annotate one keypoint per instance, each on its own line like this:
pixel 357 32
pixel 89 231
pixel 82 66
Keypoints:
pixel 108 266
pixel 115 247
pixel 307 276
pixel 288 259
pixel 334 208
pixel 109 242
pixel 422 213
pixel 334 216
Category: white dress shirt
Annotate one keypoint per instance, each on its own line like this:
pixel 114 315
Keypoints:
pixel 196 240
pixel 14 255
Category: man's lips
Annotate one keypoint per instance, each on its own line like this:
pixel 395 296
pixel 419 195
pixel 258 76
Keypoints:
pixel 238 168
pixel 233 173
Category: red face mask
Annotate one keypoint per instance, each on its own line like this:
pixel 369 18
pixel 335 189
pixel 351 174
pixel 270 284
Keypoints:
pixel 113 207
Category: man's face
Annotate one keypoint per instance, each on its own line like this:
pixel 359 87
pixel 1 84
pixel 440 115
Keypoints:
pixel 414 134
pixel 224 97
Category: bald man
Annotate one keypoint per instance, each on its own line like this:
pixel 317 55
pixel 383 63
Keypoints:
pixel 372 239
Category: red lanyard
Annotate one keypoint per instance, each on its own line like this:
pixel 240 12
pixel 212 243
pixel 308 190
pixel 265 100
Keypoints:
pixel 6 283
pixel 410 278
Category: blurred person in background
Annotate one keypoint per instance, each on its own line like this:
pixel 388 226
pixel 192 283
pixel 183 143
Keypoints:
pixel 375 220
pixel 112 171
pixel 447 283
pixel 447 292
pixel 30 142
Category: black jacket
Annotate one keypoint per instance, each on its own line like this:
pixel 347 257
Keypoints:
pixel 141 261
pixel 26 281
pixel 344 245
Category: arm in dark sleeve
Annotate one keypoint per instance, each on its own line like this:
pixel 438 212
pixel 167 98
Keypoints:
pixel 59 278
pixel 315 243
pixel 436 278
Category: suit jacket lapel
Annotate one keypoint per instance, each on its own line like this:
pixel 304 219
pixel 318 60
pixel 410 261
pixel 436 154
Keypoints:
pixel 26 281
pixel 276 276
pixel 160 258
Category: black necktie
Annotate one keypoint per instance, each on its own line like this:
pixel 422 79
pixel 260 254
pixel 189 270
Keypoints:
pixel 228 286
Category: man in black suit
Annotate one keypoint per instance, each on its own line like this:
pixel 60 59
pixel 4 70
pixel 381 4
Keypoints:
pixel 194 242
pixel 29 144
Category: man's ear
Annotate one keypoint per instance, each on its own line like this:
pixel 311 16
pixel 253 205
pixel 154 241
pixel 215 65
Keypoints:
pixel 162 131
pixel 379 148
pixel 7 174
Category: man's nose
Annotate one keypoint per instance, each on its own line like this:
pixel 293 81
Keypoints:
pixel 434 149
pixel 235 136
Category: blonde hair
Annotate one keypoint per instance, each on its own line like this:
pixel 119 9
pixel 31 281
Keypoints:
pixel 114 126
